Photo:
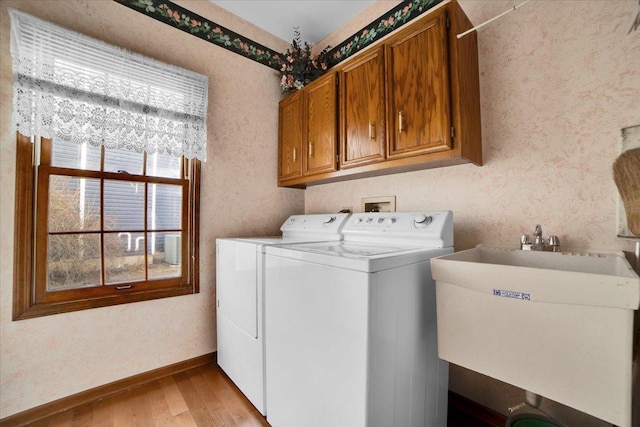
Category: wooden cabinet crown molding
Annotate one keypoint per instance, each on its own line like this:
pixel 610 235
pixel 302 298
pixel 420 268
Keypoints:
pixel 410 101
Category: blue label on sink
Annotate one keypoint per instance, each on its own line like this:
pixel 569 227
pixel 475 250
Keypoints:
pixel 511 294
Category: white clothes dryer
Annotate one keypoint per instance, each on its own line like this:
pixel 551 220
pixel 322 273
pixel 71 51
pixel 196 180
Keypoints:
pixel 240 297
pixel 351 326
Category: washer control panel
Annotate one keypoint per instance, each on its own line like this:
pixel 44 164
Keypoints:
pixel 436 226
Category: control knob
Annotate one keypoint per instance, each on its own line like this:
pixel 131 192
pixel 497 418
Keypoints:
pixel 421 221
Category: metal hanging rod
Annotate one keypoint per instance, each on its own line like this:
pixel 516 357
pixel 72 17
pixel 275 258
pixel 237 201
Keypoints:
pixel 492 19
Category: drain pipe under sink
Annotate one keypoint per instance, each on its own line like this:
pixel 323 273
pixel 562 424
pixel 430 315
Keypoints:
pixel 531 399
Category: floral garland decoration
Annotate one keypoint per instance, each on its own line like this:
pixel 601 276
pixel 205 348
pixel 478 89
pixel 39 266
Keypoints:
pixel 299 67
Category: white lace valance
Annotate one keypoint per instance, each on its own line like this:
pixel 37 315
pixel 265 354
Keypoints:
pixel 76 88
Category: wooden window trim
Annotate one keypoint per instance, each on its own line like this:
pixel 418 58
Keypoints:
pixel 24 286
pixel 23 228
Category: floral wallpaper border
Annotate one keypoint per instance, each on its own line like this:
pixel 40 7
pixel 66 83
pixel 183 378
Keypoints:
pixel 192 23
pixel 390 21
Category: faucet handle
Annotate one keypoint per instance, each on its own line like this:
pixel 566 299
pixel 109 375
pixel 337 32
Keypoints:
pixel 554 241
pixel 538 231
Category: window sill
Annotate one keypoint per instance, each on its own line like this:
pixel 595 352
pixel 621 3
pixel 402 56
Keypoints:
pixel 38 310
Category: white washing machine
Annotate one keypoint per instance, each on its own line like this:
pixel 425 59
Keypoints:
pixel 240 297
pixel 351 326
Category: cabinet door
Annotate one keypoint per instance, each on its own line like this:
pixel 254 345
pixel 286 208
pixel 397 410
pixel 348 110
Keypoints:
pixel 321 144
pixel 362 106
pixel 420 112
pixel 290 130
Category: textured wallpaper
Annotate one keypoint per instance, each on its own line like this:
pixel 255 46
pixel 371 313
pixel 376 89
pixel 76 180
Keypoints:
pixel 51 357
pixel 558 81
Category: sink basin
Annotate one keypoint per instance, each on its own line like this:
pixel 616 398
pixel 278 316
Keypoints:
pixel 557 324
pixel 601 279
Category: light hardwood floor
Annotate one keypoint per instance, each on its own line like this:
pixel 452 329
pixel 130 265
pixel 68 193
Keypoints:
pixel 205 396
pixel 199 397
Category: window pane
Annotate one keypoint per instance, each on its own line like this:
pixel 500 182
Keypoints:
pixel 164 207
pixel 123 205
pixel 73 261
pixel 66 154
pixel 131 242
pixel 164 165
pixel 165 251
pixel 74 204
pixel 123 161
pixel 123 265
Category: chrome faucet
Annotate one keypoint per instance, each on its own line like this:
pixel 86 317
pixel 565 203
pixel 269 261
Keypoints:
pixel 539 243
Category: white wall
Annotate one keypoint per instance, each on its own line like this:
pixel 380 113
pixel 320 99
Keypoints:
pixel 558 81
pixel 51 357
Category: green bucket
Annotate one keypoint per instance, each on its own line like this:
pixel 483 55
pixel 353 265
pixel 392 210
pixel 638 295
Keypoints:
pixel 530 420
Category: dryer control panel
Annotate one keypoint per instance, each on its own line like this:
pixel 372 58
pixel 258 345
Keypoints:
pixel 316 226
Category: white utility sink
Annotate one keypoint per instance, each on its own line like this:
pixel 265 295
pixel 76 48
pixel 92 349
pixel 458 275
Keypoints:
pixel 557 324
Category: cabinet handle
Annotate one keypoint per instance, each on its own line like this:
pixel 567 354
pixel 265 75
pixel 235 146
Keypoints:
pixel 310 150
pixel 400 122
pixel 294 154
pixel 372 130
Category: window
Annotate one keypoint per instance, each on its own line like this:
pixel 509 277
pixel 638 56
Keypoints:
pixel 107 176
pixel 108 227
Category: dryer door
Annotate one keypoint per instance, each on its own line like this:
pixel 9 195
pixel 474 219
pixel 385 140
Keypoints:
pixel 236 284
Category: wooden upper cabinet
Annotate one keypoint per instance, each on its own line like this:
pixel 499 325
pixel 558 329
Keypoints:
pixel 408 102
pixel 321 125
pixel 362 111
pixel 418 90
pixel 290 127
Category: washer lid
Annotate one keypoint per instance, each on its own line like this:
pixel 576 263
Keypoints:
pixel 353 250
pixel 367 258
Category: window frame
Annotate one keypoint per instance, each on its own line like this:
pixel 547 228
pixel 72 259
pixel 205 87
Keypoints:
pixel 31 298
